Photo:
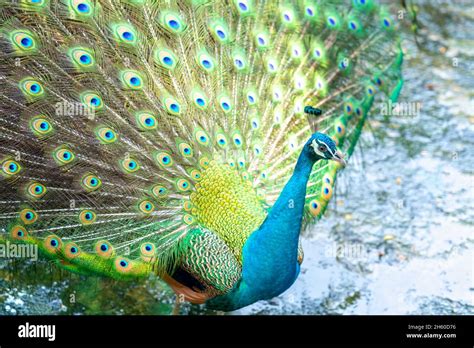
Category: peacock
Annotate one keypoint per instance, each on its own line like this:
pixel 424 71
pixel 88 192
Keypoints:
pixel 192 139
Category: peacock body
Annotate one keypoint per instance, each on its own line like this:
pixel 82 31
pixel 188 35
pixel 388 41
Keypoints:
pixel 147 136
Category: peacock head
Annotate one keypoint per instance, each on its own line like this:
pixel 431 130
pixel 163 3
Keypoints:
pixel 320 146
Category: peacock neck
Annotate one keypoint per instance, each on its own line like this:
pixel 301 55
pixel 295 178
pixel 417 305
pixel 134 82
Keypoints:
pixel 283 223
pixel 270 253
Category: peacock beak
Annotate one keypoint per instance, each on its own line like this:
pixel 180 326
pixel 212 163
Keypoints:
pixel 339 157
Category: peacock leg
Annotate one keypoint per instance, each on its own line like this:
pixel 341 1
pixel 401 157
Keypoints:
pixel 177 306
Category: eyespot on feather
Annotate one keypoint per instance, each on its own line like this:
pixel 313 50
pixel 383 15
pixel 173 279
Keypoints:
pixel 35 190
pixel 72 250
pixel 146 207
pixel 10 167
pixel 314 207
pixel 104 249
pixel 52 243
pixel 18 232
pixel 129 165
pixel 87 217
pixel 123 265
pixel 41 126
pixel 326 192
pixel 28 216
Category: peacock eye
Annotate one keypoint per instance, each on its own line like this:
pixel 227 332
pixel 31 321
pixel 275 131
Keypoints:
pixel 322 148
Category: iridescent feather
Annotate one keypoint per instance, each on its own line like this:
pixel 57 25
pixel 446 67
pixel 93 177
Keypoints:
pixel 144 137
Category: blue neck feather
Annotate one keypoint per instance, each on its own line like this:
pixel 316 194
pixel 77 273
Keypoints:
pixel 270 254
